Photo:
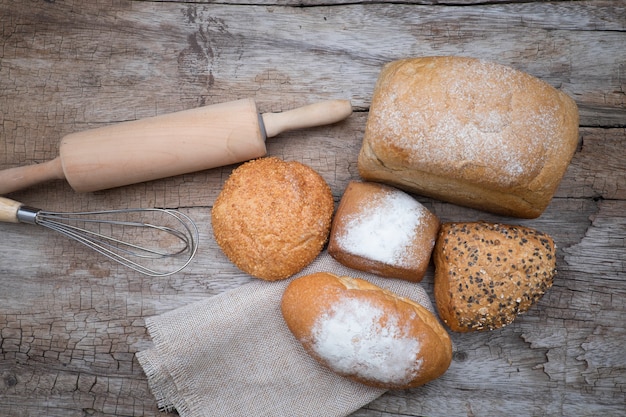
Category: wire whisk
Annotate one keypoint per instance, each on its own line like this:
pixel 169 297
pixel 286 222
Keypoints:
pixel 112 233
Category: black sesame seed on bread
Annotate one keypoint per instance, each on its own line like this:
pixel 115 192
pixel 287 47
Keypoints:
pixel 486 274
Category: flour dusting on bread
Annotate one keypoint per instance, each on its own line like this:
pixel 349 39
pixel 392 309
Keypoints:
pixel 472 121
pixel 358 337
pixel 364 332
pixel 384 230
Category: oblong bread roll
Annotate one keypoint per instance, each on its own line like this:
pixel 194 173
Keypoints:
pixel 364 332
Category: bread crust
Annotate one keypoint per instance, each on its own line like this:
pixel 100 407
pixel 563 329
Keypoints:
pixel 324 306
pixel 486 274
pixel 384 231
pixel 470 132
pixel 272 218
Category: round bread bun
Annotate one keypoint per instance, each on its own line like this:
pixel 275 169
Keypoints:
pixel 272 218
pixel 365 333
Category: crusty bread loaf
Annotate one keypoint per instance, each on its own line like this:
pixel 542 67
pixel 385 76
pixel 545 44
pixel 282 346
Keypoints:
pixel 365 333
pixel 272 218
pixel 470 132
pixel 383 230
pixel 486 274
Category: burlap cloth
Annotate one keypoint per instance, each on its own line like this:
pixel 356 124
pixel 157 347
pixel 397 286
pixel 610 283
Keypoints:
pixel 233 355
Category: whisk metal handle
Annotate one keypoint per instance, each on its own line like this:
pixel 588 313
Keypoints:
pixel 27 214
pixel 12 211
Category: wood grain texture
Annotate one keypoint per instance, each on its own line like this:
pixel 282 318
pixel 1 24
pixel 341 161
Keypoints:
pixel 70 322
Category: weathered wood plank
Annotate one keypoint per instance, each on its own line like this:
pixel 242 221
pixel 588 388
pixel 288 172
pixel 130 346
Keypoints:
pixel 598 169
pixel 208 54
pixel 70 323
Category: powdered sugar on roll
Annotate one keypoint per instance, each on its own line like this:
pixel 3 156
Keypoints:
pixel 359 338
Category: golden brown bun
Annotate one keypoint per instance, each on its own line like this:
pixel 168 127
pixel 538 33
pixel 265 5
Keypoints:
pixel 470 132
pixel 365 333
pixel 382 230
pixel 272 218
pixel 486 274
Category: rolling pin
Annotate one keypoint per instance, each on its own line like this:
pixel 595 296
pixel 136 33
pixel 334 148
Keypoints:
pixel 168 145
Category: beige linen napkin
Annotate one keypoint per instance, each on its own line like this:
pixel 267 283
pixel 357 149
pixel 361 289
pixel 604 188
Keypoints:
pixel 232 355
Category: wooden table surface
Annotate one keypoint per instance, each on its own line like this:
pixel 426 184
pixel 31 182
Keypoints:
pixel 71 322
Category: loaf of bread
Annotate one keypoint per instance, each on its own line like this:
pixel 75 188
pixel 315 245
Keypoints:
pixel 273 217
pixel 486 274
pixel 470 132
pixel 365 333
pixel 384 231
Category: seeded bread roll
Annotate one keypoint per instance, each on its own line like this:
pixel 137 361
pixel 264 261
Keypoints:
pixel 384 231
pixel 487 274
pixel 470 132
pixel 365 333
pixel 272 218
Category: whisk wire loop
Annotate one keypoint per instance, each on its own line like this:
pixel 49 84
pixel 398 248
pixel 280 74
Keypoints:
pixel 114 248
pixel 109 241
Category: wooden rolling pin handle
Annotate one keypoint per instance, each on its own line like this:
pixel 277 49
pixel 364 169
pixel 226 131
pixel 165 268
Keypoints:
pixel 316 114
pixel 17 178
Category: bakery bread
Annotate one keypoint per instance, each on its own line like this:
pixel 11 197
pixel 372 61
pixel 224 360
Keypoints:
pixel 365 333
pixel 272 218
pixel 470 132
pixel 384 231
pixel 486 274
